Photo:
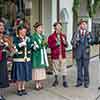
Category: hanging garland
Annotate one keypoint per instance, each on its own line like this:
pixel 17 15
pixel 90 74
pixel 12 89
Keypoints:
pixel 96 5
pixel 76 7
pixel 90 8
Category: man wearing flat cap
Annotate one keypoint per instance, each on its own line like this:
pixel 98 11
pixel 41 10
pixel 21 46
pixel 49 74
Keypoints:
pixel 81 42
pixel 57 42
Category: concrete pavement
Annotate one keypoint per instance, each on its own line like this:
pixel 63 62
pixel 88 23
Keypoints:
pixel 60 93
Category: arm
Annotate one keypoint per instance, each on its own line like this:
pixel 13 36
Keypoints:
pixel 74 40
pixel 90 38
pixel 51 43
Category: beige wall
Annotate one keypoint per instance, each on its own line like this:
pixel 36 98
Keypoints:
pixel 47 16
pixel 34 12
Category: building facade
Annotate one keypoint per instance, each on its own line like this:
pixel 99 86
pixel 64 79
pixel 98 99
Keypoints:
pixel 50 11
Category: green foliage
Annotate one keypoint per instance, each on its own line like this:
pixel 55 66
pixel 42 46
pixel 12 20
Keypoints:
pixel 96 5
pixel 76 7
pixel 90 7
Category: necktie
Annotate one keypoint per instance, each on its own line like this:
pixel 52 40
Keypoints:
pixel 82 33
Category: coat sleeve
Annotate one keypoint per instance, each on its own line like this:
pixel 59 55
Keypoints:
pixel 37 43
pixel 29 43
pixel 90 38
pixel 65 41
pixel 73 41
pixel 51 43
pixel 16 43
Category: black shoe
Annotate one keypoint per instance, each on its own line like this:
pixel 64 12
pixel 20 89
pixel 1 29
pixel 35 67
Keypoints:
pixel 55 84
pixel 65 85
pixel 78 85
pixel 19 93
pixel 24 92
pixel 56 81
pixel 86 85
pixel 2 98
pixel 99 88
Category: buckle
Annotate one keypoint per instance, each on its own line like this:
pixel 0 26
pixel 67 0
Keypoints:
pixel 25 59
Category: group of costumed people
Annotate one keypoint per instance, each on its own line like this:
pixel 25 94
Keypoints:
pixel 30 56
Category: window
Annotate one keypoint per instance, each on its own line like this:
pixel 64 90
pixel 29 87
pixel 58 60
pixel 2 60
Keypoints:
pixel 64 19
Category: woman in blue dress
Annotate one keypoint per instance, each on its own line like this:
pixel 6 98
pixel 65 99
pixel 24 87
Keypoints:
pixel 22 68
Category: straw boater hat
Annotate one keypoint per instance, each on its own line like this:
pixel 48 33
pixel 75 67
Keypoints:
pixel 81 21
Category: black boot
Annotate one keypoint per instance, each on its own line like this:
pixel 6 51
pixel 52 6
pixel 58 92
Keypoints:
pixel 99 88
pixel 65 85
pixel 56 81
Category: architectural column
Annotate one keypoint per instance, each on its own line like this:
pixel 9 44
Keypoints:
pixel 54 12
pixel 89 24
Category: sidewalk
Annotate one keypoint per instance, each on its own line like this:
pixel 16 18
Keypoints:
pixel 60 93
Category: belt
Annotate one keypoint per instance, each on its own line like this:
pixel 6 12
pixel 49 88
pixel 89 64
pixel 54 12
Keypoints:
pixel 21 59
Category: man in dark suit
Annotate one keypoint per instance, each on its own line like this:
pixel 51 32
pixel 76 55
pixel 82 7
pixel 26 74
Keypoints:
pixel 81 43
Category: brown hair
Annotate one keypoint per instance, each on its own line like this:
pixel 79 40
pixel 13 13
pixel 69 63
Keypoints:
pixel 36 25
pixel 82 21
pixel 56 23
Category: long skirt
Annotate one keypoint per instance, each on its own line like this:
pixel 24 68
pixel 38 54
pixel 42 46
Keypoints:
pixel 39 74
pixel 4 81
pixel 21 71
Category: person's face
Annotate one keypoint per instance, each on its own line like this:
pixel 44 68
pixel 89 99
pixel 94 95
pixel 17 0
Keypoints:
pixel 40 29
pixel 83 25
pixel 22 32
pixel 2 27
pixel 58 28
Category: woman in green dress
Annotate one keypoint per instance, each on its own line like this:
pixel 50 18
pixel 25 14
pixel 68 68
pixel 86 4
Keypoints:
pixel 39 56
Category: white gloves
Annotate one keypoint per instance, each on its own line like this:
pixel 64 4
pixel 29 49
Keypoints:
pixel 35 46
pixel 6 44
pixel 22 44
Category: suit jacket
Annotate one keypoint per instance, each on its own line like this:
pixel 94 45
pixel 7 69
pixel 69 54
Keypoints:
pixel 81 44
pixel 55 50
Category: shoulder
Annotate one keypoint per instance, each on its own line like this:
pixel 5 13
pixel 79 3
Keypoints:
pixel 63 34
pixel 15 38
pixel 52 35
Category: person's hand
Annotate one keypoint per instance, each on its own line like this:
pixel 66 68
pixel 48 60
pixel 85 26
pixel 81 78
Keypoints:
pixel 45 42
pixel 22 44
pixel 58 43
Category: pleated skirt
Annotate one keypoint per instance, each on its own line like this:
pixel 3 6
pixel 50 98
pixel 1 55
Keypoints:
pixel 39 74
pixel 21 71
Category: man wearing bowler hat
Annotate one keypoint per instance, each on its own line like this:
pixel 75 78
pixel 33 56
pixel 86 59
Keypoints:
pixel 81 42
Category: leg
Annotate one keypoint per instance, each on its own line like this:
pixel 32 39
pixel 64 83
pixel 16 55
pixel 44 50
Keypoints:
pixel 2 93
pixel 56 72
pixel 79 72
pixel 86 72
pixel 18 86
pixel 23 88
pixel 64 72
pixel 37 85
